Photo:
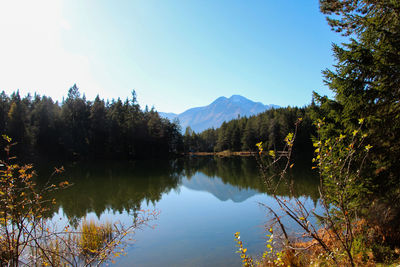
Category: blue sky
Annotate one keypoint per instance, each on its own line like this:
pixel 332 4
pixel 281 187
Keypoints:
pixel 174 54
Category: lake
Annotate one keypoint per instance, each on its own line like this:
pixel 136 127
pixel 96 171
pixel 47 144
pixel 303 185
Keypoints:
pixel 202 202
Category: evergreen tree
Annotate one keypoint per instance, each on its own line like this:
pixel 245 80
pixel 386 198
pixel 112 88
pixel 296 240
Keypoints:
pixel 223 141
pixel 80 129
pixel 366 82
pixel 188 140
pixel 208 140
pixel 236 143
pixel 18 123
pixel 44 117
pixel 249 138
pixel 75 115
pixel 115 117
pixel 4 108
pixel 98 127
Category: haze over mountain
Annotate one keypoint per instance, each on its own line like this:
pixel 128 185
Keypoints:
pixel 213 115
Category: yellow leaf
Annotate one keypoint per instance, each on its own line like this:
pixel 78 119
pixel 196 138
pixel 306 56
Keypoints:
pixel 368 147
pixel 272 153
pixel 260 146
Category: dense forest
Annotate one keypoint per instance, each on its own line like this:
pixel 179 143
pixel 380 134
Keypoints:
pixel 80 129
pixel 270 127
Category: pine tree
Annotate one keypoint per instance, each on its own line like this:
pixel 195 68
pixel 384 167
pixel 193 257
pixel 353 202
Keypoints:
pixel 366 83
pixel 75 115
pixel 98 127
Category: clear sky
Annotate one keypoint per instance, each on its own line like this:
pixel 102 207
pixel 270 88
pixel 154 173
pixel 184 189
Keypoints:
pixel 175 54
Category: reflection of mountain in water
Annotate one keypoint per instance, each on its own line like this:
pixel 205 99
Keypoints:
pixel 243 173
pixel 124 186
pixel 215 186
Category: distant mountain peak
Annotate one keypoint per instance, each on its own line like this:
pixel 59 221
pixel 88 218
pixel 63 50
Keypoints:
pixel 220 110
pixel 220 99
pixel 238 98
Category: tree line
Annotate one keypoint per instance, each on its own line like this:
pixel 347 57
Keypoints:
pixel 244 133
pixel 80 129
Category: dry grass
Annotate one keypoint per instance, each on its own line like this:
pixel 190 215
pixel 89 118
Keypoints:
pixel 94 236
pixel 368 250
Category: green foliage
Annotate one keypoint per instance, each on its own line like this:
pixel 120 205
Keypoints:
pixel 358 147
pixel 243 133
pixel 190 140
pixel 384 253
pixel 340 161
pixel 365 81
pixel 246 259
pixel 77 128
pixel 270 257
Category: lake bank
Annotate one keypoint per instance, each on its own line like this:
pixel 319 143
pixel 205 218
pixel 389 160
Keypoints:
pixel 226 153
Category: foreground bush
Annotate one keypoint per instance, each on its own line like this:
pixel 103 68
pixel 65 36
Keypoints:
pixel 28 238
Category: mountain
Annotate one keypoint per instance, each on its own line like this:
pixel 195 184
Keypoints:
pixel 216 187
pixel 213 115
pixel 171 116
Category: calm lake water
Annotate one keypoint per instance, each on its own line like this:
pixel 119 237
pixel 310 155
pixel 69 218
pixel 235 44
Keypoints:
pixel 202 202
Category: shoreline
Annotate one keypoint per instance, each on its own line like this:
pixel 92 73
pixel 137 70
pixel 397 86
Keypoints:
pixel 225 153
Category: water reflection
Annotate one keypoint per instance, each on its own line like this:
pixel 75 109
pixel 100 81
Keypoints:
pixel 215 186
pixel 243 174
pixel 203 202
pixel 125 186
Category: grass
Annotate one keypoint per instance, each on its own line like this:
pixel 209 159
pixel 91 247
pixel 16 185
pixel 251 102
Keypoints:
pixel 94 236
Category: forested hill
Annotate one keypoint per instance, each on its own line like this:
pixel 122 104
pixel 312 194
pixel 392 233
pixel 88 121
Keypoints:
pixel 271 127
pixel 213 115
pixel 116 129
pixel 78 128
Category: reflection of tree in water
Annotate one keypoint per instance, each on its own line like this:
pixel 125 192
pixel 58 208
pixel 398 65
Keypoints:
pixel 115 186
pixel 123 186
pixel 244 173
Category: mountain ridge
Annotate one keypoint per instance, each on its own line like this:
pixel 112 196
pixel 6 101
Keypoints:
pixel 220 110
